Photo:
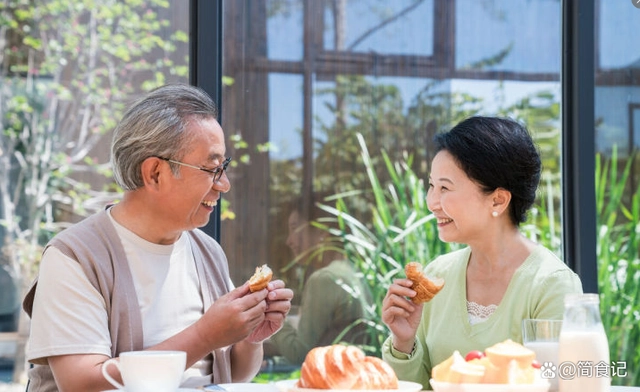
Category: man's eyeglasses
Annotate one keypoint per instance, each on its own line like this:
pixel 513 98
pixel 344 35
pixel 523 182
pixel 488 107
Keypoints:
pixel 216 172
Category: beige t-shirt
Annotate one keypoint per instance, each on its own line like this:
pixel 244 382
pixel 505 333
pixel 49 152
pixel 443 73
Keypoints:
pixel 166 286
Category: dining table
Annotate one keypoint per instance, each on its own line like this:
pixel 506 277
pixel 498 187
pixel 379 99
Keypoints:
pixel 240 387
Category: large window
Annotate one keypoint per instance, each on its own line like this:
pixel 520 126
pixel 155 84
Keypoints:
pixel 304 78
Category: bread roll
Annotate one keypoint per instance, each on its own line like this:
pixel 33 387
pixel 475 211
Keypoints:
pixel 345 367
pixel 424 287
pixel 260 278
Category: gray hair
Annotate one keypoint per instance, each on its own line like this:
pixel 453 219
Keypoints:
pixel 155 126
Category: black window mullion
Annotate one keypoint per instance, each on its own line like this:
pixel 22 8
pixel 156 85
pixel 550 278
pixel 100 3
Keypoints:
pixel 205 66
pixel 578 141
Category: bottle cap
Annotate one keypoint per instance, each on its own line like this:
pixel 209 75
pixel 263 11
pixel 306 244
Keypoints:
pixel 589 298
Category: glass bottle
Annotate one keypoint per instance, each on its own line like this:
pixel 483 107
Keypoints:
pixel 583 353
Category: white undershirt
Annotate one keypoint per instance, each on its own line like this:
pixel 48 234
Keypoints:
pixel 69 313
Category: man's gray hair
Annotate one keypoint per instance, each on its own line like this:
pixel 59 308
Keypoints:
pixel 155 126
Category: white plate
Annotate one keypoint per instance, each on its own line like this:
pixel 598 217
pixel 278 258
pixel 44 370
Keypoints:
pixel 249 387
pixel 290 386
pixel 541 386
pixel 178 390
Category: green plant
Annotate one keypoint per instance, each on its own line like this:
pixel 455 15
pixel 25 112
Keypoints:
pixel 401 229
pixel 618 264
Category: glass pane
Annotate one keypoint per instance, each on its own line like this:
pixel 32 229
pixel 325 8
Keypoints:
pixel 389 27
pixel 519 36
pixel 285 119
pixel 284 29
pixel 325 125
pixel 618 26
pixel 617 119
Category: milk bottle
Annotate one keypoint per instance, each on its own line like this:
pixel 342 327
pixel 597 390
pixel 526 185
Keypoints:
pixel 583 354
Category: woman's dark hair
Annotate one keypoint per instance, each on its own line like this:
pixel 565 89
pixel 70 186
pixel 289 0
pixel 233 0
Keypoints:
pixel 496 153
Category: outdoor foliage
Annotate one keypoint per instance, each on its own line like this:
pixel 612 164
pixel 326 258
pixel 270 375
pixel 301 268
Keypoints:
pixel 618 263
pixel 70 68
pixel 401 230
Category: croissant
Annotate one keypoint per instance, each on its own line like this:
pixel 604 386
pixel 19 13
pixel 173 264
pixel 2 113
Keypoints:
pixel 345 367
pixel 261 278
pixel 424 287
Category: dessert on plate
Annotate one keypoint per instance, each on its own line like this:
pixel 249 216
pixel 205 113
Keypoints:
pixel 507 362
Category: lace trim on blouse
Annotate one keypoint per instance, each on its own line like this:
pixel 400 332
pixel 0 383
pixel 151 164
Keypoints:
pixel 479 313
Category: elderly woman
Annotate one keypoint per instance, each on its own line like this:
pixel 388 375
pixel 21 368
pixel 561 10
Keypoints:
pixel 483 181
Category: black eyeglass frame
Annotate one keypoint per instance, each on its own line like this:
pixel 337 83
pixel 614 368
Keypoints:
pixel 216 172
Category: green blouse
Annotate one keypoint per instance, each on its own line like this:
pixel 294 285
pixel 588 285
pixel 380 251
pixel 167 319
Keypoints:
pixel 536 290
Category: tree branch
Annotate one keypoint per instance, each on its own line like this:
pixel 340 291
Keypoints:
pixel 384 23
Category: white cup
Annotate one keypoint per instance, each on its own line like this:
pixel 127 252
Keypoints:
pixel 142 371
pixel 542 336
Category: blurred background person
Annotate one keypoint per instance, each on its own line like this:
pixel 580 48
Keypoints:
pixel 334 296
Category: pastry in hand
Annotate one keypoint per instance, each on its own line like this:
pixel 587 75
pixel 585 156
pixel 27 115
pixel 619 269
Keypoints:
pixel 260 278
pixel 426 288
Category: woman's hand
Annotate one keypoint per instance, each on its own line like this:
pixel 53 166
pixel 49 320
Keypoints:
pixel 401 315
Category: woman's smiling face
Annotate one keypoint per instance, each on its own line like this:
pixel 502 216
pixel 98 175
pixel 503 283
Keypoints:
pixel 459 204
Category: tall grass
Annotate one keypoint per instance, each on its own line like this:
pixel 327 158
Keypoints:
pixel 618 265
pixel 400 229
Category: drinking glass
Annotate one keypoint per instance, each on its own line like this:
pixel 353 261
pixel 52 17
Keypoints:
pixel 542 336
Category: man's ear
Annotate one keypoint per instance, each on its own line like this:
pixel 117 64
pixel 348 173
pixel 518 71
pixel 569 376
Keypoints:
pixel 151 169
pixel 501 199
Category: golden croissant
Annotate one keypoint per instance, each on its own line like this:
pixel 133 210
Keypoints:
pixel 424 287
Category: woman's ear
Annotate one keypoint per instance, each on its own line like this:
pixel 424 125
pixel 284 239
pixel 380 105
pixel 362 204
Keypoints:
pixel 501 199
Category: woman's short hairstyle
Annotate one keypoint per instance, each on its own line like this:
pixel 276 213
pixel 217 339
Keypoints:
pixel 155 126
pixel 496 153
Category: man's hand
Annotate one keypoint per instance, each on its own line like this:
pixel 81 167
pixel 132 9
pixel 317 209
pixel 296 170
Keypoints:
pixel 232 317
pixel 278 306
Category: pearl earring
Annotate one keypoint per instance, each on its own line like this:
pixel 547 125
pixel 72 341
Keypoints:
pixel 494 214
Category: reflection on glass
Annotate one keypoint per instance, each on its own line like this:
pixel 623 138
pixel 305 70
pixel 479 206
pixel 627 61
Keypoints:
pixel 393 27
pixel 334 297
pixel 520 36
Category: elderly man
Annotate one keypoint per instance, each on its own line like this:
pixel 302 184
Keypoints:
pixel 140 275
